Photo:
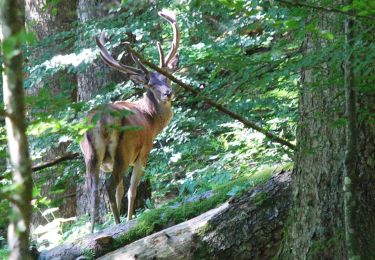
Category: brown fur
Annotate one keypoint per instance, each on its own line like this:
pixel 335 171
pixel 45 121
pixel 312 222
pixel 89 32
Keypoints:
pixel 111 149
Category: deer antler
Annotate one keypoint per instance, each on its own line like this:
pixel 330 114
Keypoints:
pixel 170 61
pixel 137 75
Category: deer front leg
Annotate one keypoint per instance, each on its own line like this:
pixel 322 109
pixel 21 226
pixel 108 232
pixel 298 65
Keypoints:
pixel 120 190
pixel 134 182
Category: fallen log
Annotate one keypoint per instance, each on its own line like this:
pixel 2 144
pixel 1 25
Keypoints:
pixel 247 227
pixel 95 244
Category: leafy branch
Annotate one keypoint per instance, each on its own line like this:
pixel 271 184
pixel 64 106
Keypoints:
pixel 326 9
pixel 214 104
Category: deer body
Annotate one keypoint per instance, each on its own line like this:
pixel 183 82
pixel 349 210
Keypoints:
pixel 114 150
pixel 117 141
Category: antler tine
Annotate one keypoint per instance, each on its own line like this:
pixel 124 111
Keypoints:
pixel 140 64
pixel 170 17
pixel 161 55
pixel 110 61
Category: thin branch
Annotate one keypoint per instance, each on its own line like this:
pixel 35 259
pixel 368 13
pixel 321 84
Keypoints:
pixel 10 198
pixel 325 9
pixel 66 157
pixel 214 104
pixel 4 113
pixel 69 195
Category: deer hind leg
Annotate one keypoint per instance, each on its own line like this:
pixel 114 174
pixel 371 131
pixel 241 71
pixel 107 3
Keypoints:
pixel 134 182
pixel 92 176
pixel 114 183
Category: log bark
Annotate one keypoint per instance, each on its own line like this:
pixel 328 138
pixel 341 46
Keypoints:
pixel 247 227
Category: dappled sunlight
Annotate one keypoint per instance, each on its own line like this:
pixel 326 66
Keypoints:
pixel 85 56
pixel 244 91
pixel 50 235
pixel 63 61
pixel 59 62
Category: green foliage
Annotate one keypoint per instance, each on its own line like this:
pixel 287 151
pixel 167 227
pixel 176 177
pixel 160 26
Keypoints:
pixel 4 253
pixel 246 55
pixel 201 149
pixel 11 46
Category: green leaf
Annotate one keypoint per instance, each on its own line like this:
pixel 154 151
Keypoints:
pixel 327 35
pixel 9 48
pixel 26 37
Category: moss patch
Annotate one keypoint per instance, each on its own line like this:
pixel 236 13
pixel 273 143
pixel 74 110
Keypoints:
pixel 259 198
pixel 154 220
pixel 320 247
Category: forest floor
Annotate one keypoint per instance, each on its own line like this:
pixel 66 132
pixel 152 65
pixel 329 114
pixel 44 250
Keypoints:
pixel 154 220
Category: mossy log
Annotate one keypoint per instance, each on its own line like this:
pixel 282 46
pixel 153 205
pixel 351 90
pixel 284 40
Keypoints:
pixel 249 226
pixel 93 244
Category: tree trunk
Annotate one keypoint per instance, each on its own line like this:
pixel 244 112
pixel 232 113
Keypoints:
pixel 361 201
pixel 44 23
pixel 90 84
pixel 316 224
pixel 12 20
pixel 247 227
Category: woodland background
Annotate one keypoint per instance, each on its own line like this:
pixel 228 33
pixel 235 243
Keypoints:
pixel 300 71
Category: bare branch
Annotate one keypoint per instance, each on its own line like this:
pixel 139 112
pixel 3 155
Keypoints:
pixel 66 157
pixel 325 9
pixel 221 108
pixel 10 198
pixel 4 113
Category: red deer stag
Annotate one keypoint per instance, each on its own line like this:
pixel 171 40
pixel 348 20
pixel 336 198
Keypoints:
pixel 117 141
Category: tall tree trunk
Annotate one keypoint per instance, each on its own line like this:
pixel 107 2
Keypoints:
pixel 360 149
pixel 12 19
pixel 89 84
pixel 316 225
pixel 44 23
pixel 351 150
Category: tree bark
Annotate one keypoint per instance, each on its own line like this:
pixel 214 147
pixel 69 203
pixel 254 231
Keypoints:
pixel 44 23
pixel 316 218
pixel 247 227
pixel 90 84
pixel 351 149
pixel 317 225
pixel 12 20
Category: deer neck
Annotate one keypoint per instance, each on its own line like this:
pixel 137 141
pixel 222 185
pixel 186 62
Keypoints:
pixel 159 112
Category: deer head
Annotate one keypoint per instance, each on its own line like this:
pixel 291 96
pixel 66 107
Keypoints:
pixel 152 81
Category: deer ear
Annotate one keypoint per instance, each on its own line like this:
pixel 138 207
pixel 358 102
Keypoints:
pixel 139 79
